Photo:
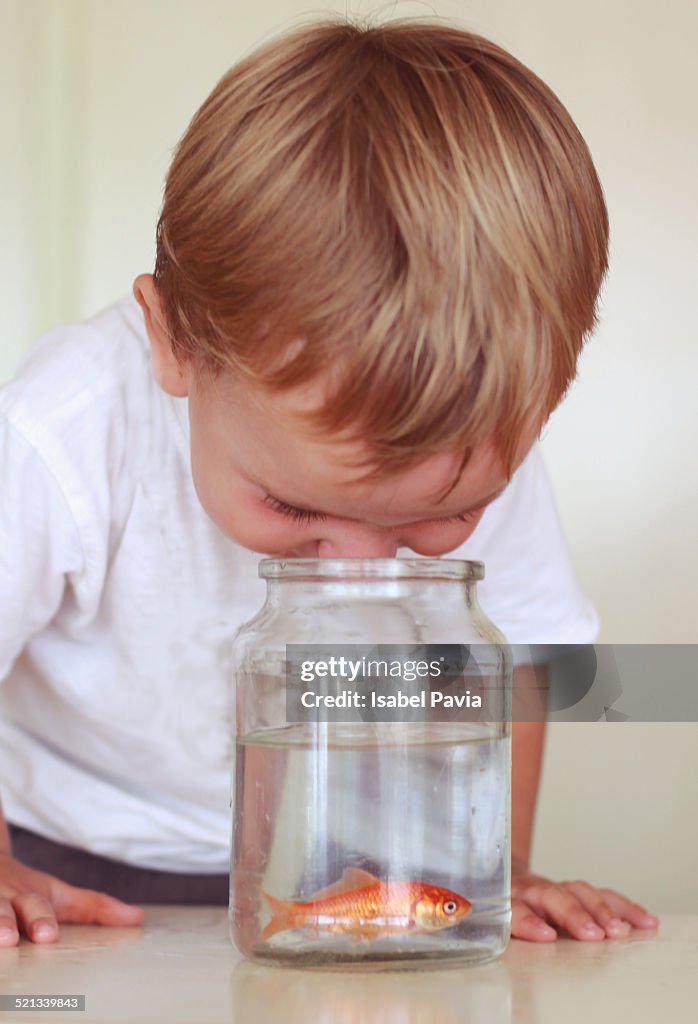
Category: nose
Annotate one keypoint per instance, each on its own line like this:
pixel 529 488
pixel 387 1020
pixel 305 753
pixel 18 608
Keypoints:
pixel 358 542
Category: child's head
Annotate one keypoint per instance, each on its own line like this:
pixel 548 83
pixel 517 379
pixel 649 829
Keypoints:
pixel 395 232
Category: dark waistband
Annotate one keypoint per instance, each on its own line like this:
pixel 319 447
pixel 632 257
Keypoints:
pixel 124 881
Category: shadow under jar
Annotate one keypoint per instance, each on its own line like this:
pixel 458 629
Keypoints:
pixel 371 835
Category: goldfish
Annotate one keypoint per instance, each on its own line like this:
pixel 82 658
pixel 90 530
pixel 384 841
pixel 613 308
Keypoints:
pixel 363 906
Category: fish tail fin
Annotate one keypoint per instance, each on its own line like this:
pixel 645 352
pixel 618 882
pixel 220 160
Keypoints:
pixel 281 915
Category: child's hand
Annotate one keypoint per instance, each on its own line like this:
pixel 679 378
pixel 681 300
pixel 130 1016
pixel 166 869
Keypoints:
pixel 581 910
pixel 33 903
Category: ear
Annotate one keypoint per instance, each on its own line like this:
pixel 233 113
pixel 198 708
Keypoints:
pixel 171 374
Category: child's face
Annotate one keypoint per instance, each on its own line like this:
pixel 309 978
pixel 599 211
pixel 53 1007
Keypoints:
pixel 271 485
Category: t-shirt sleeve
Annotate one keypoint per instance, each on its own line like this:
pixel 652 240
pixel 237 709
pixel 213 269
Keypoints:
pixel 530 591
pixel 40 549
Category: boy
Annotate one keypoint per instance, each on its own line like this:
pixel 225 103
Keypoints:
pixel 378 257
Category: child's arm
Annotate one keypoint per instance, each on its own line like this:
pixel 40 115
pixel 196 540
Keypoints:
pixel 585 912
pixel 39 552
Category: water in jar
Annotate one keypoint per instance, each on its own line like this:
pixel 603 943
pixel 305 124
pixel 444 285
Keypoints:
pixel 344 807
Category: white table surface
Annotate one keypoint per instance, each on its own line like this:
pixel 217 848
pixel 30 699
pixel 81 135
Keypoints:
pixel 180 967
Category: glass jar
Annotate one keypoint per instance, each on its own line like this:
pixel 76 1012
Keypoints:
pixel 371 816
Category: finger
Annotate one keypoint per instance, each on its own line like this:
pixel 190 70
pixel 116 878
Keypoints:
pixel 9 932
pixel 85 906
pixel 560 907
pixel 624 908
pixel 593 900
pixel 525 924
pixel 36 917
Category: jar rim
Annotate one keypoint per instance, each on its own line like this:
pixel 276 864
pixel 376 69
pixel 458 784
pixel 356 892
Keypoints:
pixel 371 569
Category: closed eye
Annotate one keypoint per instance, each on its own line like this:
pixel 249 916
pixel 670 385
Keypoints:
pixel 298 515
pixel 305 515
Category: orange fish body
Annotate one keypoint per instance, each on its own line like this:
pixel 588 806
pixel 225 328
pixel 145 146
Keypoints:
pixel 364 906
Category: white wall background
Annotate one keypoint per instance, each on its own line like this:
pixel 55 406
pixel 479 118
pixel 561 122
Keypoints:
pixel 94 95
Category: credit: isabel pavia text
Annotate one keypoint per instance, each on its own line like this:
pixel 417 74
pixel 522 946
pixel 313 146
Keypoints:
pixel 394 682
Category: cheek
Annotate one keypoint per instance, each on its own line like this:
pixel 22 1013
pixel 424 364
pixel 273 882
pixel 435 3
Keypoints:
pixel 244 522
pixel 268 538
pixel 213 493
pixel 237 514
pixel 438 539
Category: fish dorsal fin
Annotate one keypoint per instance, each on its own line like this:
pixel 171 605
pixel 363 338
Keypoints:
pixel 353 878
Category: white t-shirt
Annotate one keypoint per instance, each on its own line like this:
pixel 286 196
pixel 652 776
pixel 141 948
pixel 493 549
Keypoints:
pixel 118 596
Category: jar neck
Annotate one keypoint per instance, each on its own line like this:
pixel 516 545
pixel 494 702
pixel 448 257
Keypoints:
pixel 296 593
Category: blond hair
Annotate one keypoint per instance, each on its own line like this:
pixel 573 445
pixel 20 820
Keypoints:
pixel 411 206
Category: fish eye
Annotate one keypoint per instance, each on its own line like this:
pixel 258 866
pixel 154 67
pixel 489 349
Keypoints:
pixel 450 907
